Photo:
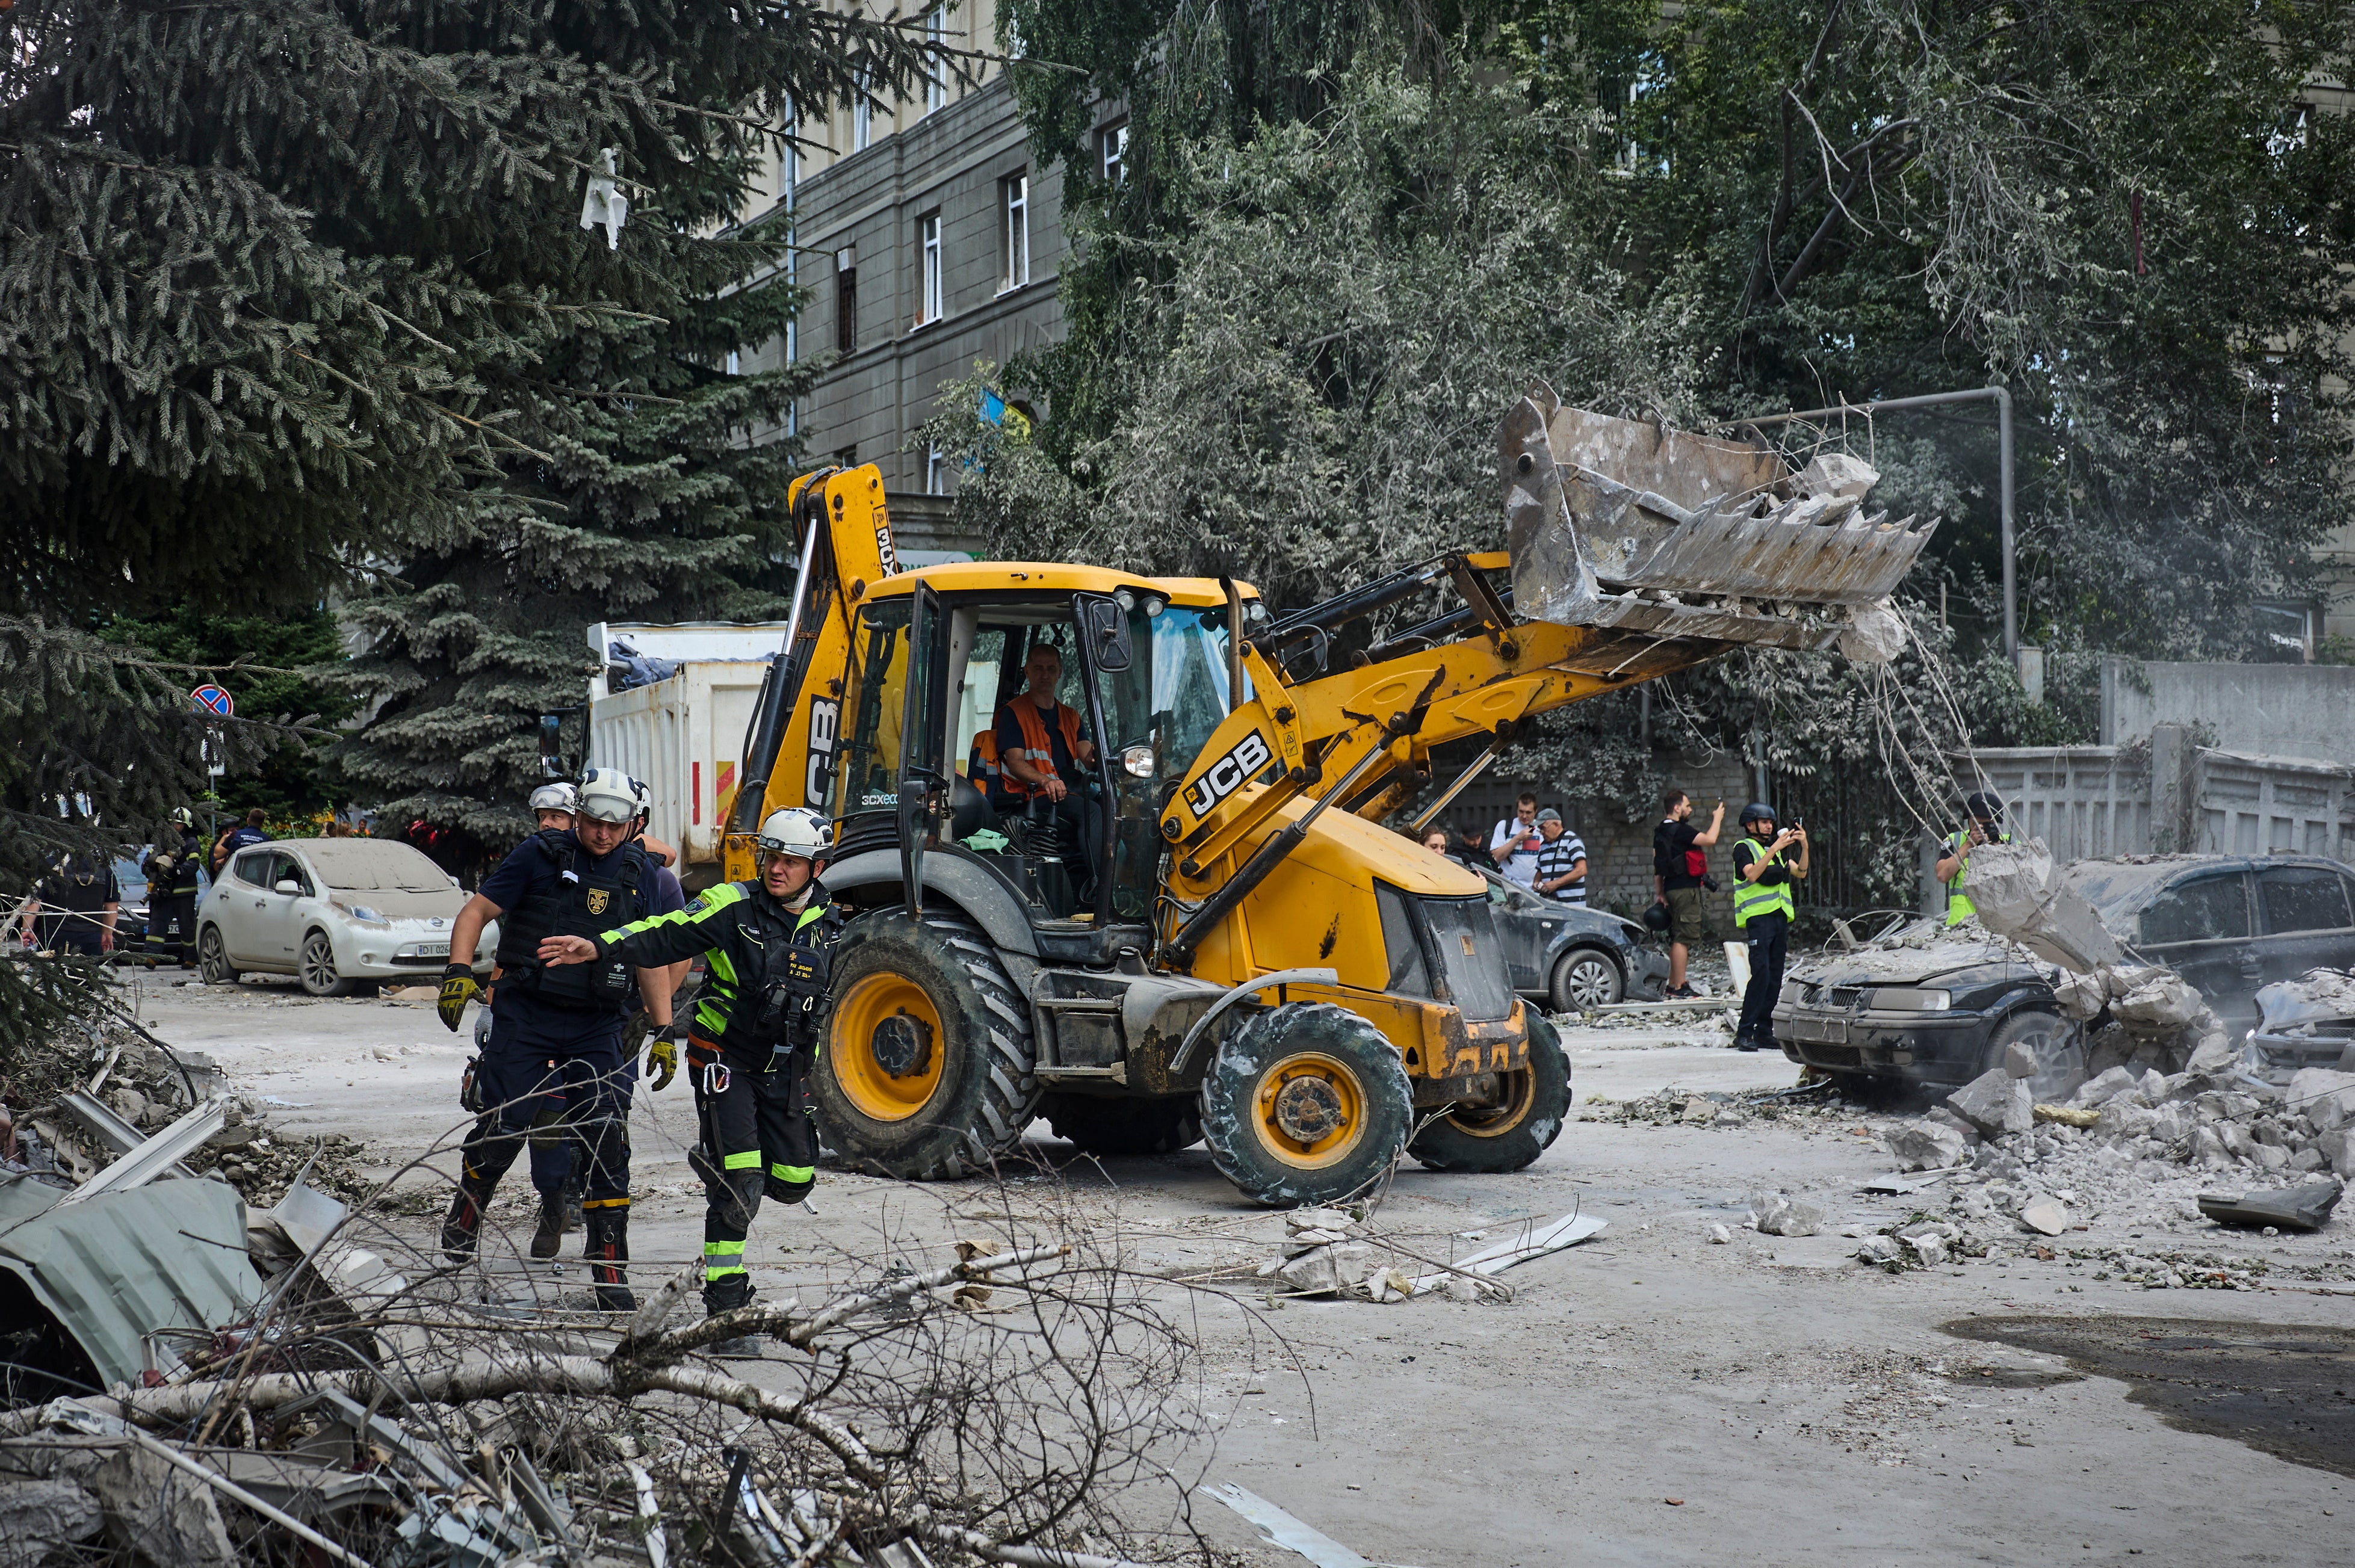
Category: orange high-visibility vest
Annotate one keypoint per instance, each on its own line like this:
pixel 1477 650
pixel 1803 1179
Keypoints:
pixel 1038 747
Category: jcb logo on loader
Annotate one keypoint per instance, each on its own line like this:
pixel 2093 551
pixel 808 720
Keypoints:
pixel 825 725
pixel 1229 774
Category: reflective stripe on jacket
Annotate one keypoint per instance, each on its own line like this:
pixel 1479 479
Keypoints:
pixel 1753 898
pixel 731 925
pixel 1959 907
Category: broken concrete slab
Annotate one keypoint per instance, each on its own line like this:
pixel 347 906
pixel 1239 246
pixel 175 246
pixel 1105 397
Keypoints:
pixel 2305 1208
pixel 2047 1218
pixel 1924 1145
pixel 1880 1249
pixel 2338 1148
pixel 2019 1060
pixel 2102 1087
pixel 1996 1102
pixel 2324 1095
pixel 41 1518
pixel 2016 893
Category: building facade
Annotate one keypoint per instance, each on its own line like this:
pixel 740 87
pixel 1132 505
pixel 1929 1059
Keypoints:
pixel 929 239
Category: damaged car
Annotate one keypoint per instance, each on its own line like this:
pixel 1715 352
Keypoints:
pixel 1569 958
pixel 1936 1005
pixel 2305 1022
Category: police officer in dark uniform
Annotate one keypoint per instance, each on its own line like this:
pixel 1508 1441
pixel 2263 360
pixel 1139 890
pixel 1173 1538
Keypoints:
pixel 74 906
pixel 558 1030
pixel 171 869
pixel 754 1036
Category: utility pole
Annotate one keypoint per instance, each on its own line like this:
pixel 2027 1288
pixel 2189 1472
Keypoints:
pixel 2001 397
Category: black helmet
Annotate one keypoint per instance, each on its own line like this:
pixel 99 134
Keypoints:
pixel 1985 806
pixel 1758 811
pixel 1656 918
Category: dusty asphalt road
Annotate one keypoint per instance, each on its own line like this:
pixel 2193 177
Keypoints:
pixel 1804 1410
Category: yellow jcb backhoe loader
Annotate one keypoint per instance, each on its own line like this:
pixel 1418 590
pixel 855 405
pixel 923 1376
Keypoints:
pixel 1205 945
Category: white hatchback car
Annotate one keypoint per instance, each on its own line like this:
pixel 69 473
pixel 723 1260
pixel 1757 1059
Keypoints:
pixel 340 915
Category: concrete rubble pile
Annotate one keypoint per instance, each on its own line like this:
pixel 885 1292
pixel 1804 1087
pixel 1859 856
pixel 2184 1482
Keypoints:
pixel 2305 1022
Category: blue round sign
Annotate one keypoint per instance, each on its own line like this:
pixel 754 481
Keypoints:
pixel 211 696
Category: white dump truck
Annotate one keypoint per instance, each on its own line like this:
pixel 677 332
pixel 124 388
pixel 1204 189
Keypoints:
pixel 673 711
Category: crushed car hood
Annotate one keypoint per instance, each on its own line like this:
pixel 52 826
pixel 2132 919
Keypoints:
pixel 1919 953
pixel 2319 996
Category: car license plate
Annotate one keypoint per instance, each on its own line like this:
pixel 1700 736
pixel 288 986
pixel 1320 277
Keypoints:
pixel 433 949
pixel 1823 1031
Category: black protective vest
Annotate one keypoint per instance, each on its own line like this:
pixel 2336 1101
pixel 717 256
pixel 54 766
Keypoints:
pixel 784 1002
pixel 581 904
pixel 81 885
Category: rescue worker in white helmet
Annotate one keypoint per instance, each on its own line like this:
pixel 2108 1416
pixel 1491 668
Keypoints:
pixel 555 1168
pixel 767 946
pixel 558 1030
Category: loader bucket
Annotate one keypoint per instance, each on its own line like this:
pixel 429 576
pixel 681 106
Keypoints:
pixel 1615 524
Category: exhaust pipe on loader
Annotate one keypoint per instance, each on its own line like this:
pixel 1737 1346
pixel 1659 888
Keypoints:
pixel 1634 526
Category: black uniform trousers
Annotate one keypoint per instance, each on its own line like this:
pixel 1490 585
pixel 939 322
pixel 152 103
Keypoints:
pixel 753 1111
pixel 1768 937
pixel 171 927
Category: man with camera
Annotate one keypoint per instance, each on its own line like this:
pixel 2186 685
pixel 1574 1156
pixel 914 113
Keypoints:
pixel 1681 882
pixel 1985 811
pixel 1763 909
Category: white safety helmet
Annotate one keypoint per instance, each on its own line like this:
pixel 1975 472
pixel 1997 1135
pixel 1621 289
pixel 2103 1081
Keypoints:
pixel 796 831
pixel 608 795
pixel 645 798
pixel 556 797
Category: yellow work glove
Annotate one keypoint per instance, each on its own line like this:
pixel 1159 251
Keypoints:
pixel 662 1053
pixel 458 988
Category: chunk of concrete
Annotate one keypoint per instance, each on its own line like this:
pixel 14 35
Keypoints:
pixel 2047 1218
pixel 2097 1090
pixel 2019 1060
pixel 2305 1208
pixel 2338 1148
pixel 1996 1102
pixel 1781 1216
pixel 38 1519
pixel 2016 894
pixel 1924 1145
pixel 1942 1117
pixel 1836 473
pixel 1880 1249
pixel 2324 1095
pixel 1720 1236
pixel 1930 1247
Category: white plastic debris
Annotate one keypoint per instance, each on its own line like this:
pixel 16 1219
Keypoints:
pixel 604 206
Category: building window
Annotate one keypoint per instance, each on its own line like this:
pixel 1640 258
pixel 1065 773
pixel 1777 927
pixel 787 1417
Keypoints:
pixel 735 362
pixel 936 470
pixel 862 119
pixel 1014 237
pixel 936 69
pixel 927 267
pixel 846 301
pixel 1112 147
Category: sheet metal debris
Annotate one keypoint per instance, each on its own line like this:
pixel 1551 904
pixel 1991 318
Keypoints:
pixel 1281 1529
pixel 2305 1208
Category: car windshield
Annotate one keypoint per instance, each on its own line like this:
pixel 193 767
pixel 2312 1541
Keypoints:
pixel 374 865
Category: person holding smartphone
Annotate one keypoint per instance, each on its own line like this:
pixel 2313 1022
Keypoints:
pixel 1514 844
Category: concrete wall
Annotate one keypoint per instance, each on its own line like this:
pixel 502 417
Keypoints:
pixel 2274 710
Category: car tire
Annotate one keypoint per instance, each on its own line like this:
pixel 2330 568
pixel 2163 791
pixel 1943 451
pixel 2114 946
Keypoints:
pixel 1586 978
pixel 212 958
pixel 1338 1135
pixel 1123 1129
pixel 315 967
pixel 2057 1045
pixel 1513 1134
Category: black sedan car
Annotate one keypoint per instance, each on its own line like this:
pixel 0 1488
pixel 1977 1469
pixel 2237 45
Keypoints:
pixel 1925 1003
pixel 1569 957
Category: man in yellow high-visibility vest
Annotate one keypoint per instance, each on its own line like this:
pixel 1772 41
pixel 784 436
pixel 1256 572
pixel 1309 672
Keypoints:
pixel 1763 909
pixel 1985 811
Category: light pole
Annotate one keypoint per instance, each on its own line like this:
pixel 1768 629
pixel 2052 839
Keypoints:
pixel 2001 397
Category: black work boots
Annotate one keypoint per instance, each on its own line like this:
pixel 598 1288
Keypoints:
pixel 608 1253
pixel 725 1295
pixel 463 1227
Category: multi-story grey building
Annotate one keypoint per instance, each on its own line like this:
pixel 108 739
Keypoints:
pixel 930 239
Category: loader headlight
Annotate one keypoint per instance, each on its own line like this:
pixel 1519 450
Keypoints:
pixel 1137 761
pixel 1912 998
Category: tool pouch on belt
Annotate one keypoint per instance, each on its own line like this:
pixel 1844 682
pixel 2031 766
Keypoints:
pixel 470 1088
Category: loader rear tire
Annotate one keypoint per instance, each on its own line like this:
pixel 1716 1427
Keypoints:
pixel 927 1069
pixel 1520 1127
pixel 1123 1129
pixel 1307 1104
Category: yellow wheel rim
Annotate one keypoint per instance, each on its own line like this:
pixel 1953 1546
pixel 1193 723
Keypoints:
pixel 1520 1092
pixel 886 1047
pixel 1309 1110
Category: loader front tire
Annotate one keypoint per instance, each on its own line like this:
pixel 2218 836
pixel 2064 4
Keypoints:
pixel 1521 1126
pixel 1123 1129
pixel 1307 1104
pixel 927 1069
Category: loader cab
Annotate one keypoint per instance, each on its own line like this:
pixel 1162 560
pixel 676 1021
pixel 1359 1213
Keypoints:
pixel 936 659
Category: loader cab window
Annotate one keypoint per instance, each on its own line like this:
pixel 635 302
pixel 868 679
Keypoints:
pixel 1189 696
pixel 867 779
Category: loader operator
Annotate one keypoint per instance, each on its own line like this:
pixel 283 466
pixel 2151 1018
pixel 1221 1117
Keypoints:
pixel 1985 811
pixel 1039 750
pixel 1763 910
pixel 559 1030
pixel 755 1033
pixel 173 883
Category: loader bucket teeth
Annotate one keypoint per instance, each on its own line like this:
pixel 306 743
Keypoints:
pixel 1613 523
